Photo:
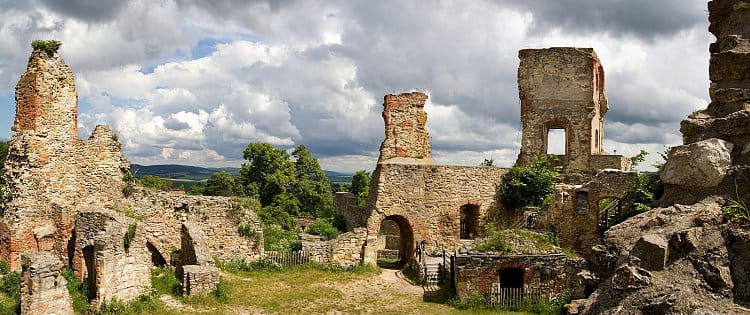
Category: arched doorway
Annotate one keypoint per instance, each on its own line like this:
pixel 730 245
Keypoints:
pixel 398 225
pixel 157 259
pixel 610 210
pixel 469 222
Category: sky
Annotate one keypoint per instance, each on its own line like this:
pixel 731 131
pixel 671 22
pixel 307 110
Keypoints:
pixel 193 82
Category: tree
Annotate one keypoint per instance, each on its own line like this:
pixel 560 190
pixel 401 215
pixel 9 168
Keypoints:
pixel 311 187
pixel 154 182
pixel 637 159
pixel 220 184
pixel 361 186
pixel 530 185
pixel 267 173
pixel 487 162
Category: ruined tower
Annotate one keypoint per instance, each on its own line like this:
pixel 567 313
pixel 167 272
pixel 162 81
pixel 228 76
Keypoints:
pixel 406 137
pixel 50 173
pixel 563 88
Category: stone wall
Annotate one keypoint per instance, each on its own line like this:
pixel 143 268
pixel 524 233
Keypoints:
pixel 475 273
pixel 43 289
pixel 346 250
pixel 406 138
pixel 563 88
pixel 429 198
pixel 346 205
pixel 716 154
pixel 102 259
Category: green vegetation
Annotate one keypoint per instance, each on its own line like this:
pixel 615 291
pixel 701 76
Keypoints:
pixel 531 185
pixel 155 183
pixel 130 182
pixel 164 281
pixel 220 184
pixel 637 159
pixel 640 196
pixel 10 291
pixel 477 303
pixel 78 291
pixel 324 228
pixel 518 241
pixel 275 238
pixel 129 236
pixel 49 46
pixel 361 186
pixel 487 162
pixel 738 210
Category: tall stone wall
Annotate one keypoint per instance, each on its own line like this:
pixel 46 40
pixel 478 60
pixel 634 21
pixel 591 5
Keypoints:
pixel 563 88
pixel 43 289
pixel 716 152
pixel 406 137
pixel 49 172
pixel 429 198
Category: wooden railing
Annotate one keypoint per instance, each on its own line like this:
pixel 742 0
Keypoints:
pixel 515 297
pixel 289 258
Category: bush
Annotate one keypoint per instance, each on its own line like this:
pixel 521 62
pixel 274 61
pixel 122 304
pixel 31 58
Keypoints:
pixel 155 183
pixel 640 196
pixel 4 267
pixel 237 265
pixel 11 285
pixel 275 215
pixel 164 281
pixel 49 46
pixel 143 304
pixel 277 239
pixel 494 241
pixel 324 228
pixel 530 185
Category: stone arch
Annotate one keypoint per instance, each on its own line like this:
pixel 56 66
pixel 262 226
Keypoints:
pixel 406 237
pixel 90 267
pixel 157 259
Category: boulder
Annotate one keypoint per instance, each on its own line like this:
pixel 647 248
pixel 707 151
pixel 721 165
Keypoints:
pixel 700 164
pixel 652 250
pixel 628 278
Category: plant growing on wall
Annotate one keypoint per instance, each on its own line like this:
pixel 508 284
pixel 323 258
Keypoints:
pixel 530 185
pixel 129 236
pixel 49 46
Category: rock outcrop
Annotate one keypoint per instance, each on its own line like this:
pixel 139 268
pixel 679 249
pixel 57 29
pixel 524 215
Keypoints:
pixel 688 261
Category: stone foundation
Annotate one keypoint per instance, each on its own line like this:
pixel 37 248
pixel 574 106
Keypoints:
pixel 198 280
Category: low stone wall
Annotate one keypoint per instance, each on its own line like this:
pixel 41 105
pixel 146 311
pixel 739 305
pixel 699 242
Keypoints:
pixel 346 205
pixel 346 250
pixel 199 279
pixel 618 162
pixel 43 289
pixel 475 273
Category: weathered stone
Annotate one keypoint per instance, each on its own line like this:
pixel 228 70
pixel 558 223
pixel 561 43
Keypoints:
pixel 194 249
pixel 406 138
pixel 628 278
pixel 652 250
pixel 563 88
pixel 199 279
pixel 43 289
pixel 703 164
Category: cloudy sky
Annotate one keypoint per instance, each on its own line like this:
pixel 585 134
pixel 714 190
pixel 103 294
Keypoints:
pixel 193 83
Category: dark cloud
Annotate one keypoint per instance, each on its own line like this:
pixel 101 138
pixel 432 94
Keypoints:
pixel 175 124
pixel 642 18
pixel 87 10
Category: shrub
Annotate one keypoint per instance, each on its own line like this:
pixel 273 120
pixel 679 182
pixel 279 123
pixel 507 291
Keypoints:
pixel 164 281
pixel 129 235
pixel 248 231
pixel 494 241
pixel 274 215
pixel 277 239
pixel 323 228
pixel 49 46
pixel 221 293
pixel 4 267
pixel 530 185
pixel 11 284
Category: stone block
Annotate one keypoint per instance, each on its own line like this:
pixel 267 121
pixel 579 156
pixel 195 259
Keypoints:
pixel 199 279
pixel 652 250
pixel 629 278
pixel 700 164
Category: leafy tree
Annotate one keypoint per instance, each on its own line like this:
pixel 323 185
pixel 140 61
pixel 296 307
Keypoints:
pixel 530 185
pixel 154 182
pixel 311 187
pixel 220 184
pixel 361 186
pixel 487 162
pixel 49 46
pixel 640 196
pixel 267 173
pixel 637 159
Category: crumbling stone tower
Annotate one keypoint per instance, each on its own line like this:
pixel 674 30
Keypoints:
pixel 50 173
pixel 563 88
pixel 406 137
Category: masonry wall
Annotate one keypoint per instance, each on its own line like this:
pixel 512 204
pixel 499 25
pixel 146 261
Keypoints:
pixel 406 138
pixel 475 274
pixel 430 197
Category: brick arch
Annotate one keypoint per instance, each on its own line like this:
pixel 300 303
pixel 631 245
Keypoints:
pixel 409 234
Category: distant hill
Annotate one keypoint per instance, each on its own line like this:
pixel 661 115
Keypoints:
pixel 197 173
